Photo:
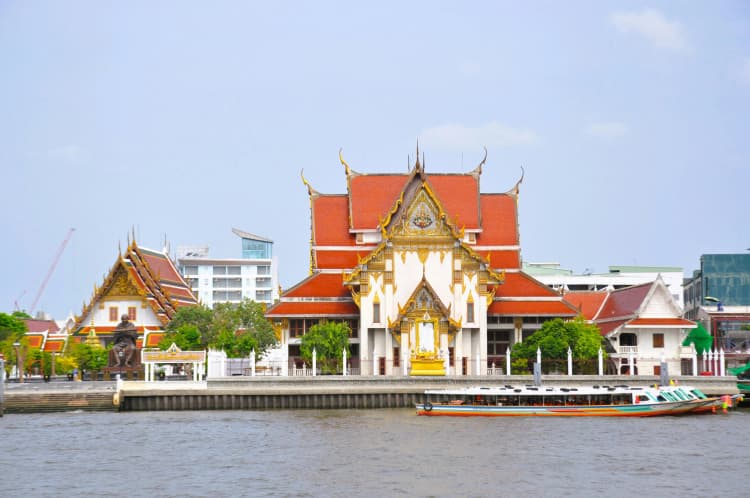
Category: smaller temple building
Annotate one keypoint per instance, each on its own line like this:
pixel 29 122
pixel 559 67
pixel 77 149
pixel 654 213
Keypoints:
pixel 643 324
pixel 144 285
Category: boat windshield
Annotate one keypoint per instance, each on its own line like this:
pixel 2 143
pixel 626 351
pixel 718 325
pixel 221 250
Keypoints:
pixel 699 393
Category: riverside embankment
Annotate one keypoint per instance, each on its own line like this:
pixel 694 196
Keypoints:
pixel 258 393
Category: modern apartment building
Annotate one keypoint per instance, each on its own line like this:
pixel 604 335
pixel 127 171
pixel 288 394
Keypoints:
pixel 253 276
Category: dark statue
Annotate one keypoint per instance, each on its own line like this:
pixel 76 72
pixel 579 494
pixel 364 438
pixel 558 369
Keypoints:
pixel 124 346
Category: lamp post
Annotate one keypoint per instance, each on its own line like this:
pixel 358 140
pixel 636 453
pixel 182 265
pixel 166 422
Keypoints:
pixel 19 363
pixel 121 354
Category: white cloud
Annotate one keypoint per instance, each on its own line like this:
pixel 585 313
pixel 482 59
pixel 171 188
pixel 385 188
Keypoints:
pixel 608 130
pixel 652 25
pixel 68 153
pixel 458 136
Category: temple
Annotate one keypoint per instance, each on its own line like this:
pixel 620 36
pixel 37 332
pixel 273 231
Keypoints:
pixel 143 284
pixel 425 268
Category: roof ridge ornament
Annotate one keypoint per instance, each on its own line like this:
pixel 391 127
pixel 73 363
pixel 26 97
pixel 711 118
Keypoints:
pixel 347 169
pixel 478 170
pixel 310 190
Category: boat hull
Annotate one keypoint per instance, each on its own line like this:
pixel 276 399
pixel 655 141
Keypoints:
pixel 637 410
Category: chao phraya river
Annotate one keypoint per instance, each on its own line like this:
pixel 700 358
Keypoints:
pixel 376 453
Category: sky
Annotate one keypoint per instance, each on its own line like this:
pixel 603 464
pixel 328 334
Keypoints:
pixel 179 120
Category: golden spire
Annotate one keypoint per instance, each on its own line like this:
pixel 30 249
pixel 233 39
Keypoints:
pixel 310 190
pixel 347 169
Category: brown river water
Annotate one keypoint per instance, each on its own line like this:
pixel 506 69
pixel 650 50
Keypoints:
pixel 391 452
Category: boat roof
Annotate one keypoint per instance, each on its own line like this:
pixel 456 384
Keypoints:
pixel 529 390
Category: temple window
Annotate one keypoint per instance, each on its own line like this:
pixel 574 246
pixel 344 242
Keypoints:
pixel 296 328
pixel 658 340
pixel 396 357
pixel 131 313
pixel 375 312
pixel 470 312
pixel 113 312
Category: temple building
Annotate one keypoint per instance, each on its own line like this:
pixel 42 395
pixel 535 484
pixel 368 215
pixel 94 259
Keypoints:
pixel 143 284
pixel 425 268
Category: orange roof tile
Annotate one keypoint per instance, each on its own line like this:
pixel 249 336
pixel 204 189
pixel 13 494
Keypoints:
pixel 519 284
pixel 459 195
pixel 661 322
pixel 502 259
pixel 588 302
pixel 330 218
pixel 320 285
pixel 35 341
pixel 499 221
pixel 607 327
pixel 339 260
pixel 313 309
pixel 54 346
pixel 372 196
pixel 530 308
pixel 153 339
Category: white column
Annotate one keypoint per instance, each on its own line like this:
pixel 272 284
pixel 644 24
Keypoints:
pixel 694 358
pixel 315 362
pixel 405 362
pixel 601 363
pixel 479 364
pixel 570 362
pixel 252 363
pixel 710 364
pixel 507 361
pixel 722 363
pixel 344 366
pixel 374 363
pixel 631 363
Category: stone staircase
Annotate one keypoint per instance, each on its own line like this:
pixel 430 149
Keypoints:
pixel 29 402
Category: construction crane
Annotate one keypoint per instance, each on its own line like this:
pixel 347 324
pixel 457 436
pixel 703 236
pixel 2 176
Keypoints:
pixel 51 270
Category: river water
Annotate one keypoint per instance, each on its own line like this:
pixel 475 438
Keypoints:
pixel 342 453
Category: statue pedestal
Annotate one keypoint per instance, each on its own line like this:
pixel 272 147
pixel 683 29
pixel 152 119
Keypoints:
pixel 125 373
pixel 423 367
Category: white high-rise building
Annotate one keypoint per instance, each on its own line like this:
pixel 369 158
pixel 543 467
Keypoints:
pixel 252 276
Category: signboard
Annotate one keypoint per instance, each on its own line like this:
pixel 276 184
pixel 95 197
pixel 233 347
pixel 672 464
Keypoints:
pixel 173 355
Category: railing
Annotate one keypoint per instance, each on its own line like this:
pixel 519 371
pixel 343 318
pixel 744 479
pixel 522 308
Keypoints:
pixel 627 349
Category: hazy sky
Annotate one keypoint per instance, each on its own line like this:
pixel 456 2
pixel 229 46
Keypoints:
pixel 185 119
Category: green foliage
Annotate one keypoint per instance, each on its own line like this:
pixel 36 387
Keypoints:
pixel 187 337
pixel 9 351
pixel 236 329
pixel 21 314
pixel 65 364
pixel 199 317
pixel 328 340
pixel 554 338
pixel 11 327
pixel 91 358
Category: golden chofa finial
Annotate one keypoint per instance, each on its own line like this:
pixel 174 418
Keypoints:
pixel 478 169
pixel 310 190
pixel 347 169
pixel 417 165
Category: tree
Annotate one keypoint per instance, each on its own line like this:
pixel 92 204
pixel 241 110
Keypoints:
pixel 88 357
pixel 328 340
pixel 187 337
pixel 199 317
pixel 11 327
pixel 241 328
pixel 556 336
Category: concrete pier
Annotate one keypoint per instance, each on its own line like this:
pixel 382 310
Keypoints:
pixel 269 393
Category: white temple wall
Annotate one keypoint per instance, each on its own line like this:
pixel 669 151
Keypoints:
pixel 145 316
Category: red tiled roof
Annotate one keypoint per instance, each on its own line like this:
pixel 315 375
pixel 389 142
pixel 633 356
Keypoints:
pixel 499 220
pixel 624 302
pixel 372 196
pixel 459 195
pixel 41 325
pixel 607 327
pixel 339 260
pixel 153 339
pixel 311 309
pixel 35 341
pixel 519 284
pixel 587 302
pixel 330 218
pixel 530 308
pixel 54 346
pixel 661 322
pixel 504 260
pixel 320 285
